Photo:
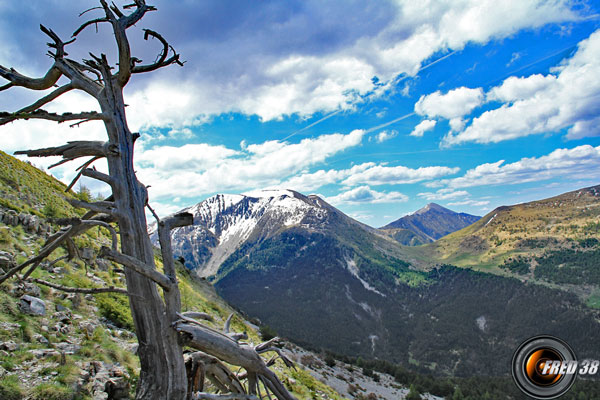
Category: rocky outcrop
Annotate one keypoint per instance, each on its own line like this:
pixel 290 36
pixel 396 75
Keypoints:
pixel 31 223
pixel 32 305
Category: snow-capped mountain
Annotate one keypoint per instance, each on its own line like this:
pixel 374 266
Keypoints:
pixel 224 222
pixel 321 278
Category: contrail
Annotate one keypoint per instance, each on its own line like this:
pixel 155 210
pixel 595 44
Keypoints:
pixel 511 73
pixel 436 61
pixel 389 123
pixel 382 125
pixel 313 124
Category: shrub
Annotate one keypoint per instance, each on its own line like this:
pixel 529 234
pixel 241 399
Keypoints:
pixel 267 333
pixel 116 309
pixel 10 388
pixel 51 391
pixel 5 236
pixel 329 360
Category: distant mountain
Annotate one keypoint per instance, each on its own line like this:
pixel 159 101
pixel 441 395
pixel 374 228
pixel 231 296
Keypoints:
pixel 225 223
pixel 568 222
pixel 321 278
pixel 427 225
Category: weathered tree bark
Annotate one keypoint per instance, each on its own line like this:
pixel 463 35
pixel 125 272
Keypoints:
pixel 160 327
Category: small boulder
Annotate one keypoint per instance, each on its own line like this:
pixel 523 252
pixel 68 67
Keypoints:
pixel 6 260
pixel 32 305
pixel 9 346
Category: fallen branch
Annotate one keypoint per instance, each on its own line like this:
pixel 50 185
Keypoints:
pixel 109 289
pixel 226 349
pixel 137 266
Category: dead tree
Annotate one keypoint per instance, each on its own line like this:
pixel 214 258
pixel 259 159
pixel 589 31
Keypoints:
pixel 161 329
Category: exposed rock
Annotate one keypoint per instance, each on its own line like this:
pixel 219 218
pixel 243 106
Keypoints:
pixel 102 265
pixel 75 299
pixel 87 254
pixel 6 260
pixel 32 305
pixel 26 288
pixel 40 339
pixel 67 348
pixel 9 346
pixel 40 353
pixel 104 381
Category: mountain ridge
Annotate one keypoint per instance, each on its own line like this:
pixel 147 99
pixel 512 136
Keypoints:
pixel 334 283
pixel 427 224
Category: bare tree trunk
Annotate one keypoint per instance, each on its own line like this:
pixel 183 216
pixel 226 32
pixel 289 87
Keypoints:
pixel 162 368
pixel 160 327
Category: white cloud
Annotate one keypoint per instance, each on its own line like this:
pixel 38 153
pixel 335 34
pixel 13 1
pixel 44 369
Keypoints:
pixel 561 163
pixel 470 202
pixel 306 182
pixel 364 194
pixel 382 175
pixel 202 169
pixel 423 127
pixel 386 135
pixel 271 59
pixel 541 104
pixel 186 157
pixel 443 194
pixel 453 104
pixel 514 88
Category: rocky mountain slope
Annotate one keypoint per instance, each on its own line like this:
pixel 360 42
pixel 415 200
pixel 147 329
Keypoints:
pixel 427 225
pixel 62 346
pixel 327 281
pixel 224 223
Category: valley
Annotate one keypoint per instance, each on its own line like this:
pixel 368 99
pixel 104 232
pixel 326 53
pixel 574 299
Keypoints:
pixel 328 282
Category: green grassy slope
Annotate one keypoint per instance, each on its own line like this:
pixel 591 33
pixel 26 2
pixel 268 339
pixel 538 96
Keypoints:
pixel 92 329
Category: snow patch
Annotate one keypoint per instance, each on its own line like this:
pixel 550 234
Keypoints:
pixel 269 193
pixel 353 269
pixel 491 219
pixel 481 323
pixel 373 338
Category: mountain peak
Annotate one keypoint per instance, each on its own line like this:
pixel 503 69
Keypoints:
pixel 428 224
pixel 270 193
pixel 432 207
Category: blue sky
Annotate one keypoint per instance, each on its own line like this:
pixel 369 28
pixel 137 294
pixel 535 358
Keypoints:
pixel 379 107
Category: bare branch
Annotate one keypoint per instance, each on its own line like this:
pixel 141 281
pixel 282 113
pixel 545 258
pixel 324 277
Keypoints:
pixel 198 315
pixel 221 346
pixel 77 228
pixel 162 60
pixel 173 299
pixel 51 77
pixel 88 23
pixel 137 266
pixel 231 396
pixel 44 100
pixel 94 174
pixel 141 9
pixel 7 86
pixel 42 114
pixel 228 323
pixel 88 10
pixel 106 207
pixel 81 169
pixel 58 44
pixel 109 289
pixel 17 79
pixel 73 150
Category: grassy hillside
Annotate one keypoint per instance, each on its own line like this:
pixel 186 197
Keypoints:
pixel 81 342
pixel 552 241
